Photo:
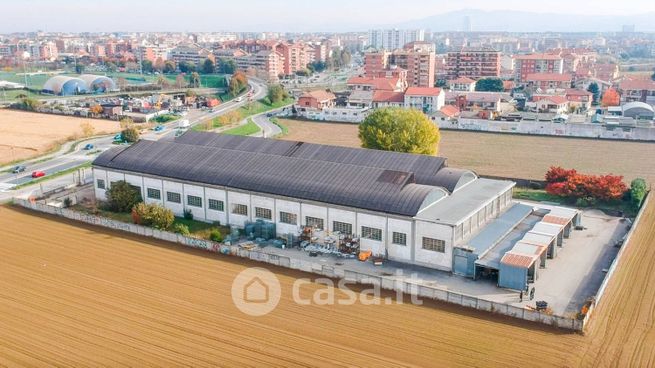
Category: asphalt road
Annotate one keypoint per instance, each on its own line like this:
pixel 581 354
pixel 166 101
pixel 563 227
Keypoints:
pixel 66 159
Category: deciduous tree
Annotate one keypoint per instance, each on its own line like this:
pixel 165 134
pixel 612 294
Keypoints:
pixel 399 130
pixel 122 197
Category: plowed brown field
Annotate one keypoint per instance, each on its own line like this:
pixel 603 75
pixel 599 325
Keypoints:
pixel 487 153
pixel 75 295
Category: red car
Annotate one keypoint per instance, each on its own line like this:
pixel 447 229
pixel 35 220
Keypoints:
pixel 38 174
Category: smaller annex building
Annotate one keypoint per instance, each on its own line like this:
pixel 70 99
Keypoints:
pixel 403 207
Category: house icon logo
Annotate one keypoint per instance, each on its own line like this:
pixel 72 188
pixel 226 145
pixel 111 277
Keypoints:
pixel 256 291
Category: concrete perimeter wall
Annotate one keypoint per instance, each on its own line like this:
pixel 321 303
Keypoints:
pixel 547 128
pixel 388 283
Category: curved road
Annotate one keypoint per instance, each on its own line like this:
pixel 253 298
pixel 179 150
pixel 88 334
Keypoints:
pixel 68 157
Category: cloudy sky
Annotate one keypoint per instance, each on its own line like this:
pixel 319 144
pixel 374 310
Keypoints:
pixel 260 15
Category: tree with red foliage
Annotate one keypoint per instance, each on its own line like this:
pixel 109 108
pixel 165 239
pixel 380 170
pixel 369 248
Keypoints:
pixel 569 183
pixel 557 174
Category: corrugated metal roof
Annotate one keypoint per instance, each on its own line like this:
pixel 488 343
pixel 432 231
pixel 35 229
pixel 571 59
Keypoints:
pixel 547 228
pixel 497 229
pixel 424 167
pixel 361 186
pixel 517 260
pixel 533 237
pixel 529 249
pixel 556 220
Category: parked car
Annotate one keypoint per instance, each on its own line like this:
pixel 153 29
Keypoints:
pixel 239 99
pixel 38 174
pixel 88 147
pixel 18 169
pixel 159 128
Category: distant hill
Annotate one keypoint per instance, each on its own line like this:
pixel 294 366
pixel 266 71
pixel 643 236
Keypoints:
pixel 518 21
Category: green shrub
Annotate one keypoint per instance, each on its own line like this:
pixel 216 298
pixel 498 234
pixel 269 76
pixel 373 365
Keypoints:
pixel 130 135
pixel 181 229
pixel 153 215
pixel 638 190
pixel 188 215
pixel 122 196
pixel 215 235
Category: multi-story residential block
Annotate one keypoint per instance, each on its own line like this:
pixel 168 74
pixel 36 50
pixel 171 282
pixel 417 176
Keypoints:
pixel 525 65
pixel 191 53
pixel 391 39
pixel 419 64
pixel 479 62
pixel 266 64
pixel 549 80
pixel 642 90
pixel 427 99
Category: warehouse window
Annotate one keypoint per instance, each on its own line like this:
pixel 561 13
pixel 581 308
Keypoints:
pixel 154 193
pixel 136 187
pixel 288 218
pixel 342 227
pixel 240 209
pixel 194 201
pixel 216 205
pixel 314 222
pixel 100 184
pixel 371 233
pixel 399 238
pixel 173 197
pixel 263 213
pixel 436 245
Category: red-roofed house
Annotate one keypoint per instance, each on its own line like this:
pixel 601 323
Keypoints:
pixel 579 99
pixel 555 104
pixel 426 99
pixel 549 80
pixel 462 84
pixel 642 90
pixel 374 84
pixel 388 99
pixel 318 99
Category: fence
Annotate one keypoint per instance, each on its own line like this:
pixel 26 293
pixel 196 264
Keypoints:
pixel 383 282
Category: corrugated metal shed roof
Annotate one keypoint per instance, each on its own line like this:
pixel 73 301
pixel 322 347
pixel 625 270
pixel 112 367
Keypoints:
pixel 528 248
pixel 546 228
pixel 518 260
pixel 360 186
pixel 497 229
pixel 556 220
pixel 533 237
pixel 424 167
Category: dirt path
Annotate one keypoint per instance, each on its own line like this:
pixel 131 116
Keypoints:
pixel 79 295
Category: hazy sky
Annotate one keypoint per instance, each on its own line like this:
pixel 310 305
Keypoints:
pixel 260 15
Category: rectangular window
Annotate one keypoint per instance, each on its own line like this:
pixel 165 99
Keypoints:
pixel 288 218
pixel 194 201
pixel 371 233
pixel 436 245
pixel 314 222
pixel 342 227
pixel 137 188
pixel 154 193
pixel 216 205
pixel 399 238
pixel 100 184
pixel 173 197
pixel 240 209
pixel 263 213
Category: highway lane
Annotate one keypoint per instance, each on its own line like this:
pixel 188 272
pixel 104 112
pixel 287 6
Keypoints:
pixel 22 179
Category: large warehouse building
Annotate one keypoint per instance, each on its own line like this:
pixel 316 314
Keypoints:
pixel 407 208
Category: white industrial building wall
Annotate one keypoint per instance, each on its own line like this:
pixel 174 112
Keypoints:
pixel 376 222
pixel 432 258
pixel 197 191
pixel 102 175
pixel 234 198
pixel 174 187
pixel 411 253
pixel 153 184
pixel 282 205
pixel 397 252
pixel 214 215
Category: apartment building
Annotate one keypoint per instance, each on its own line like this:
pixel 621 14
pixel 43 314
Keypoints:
pixel 391 39
pixel 192 53
pixel 476 63
pixel 525 65
pixel 419 64
pixel 266 64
